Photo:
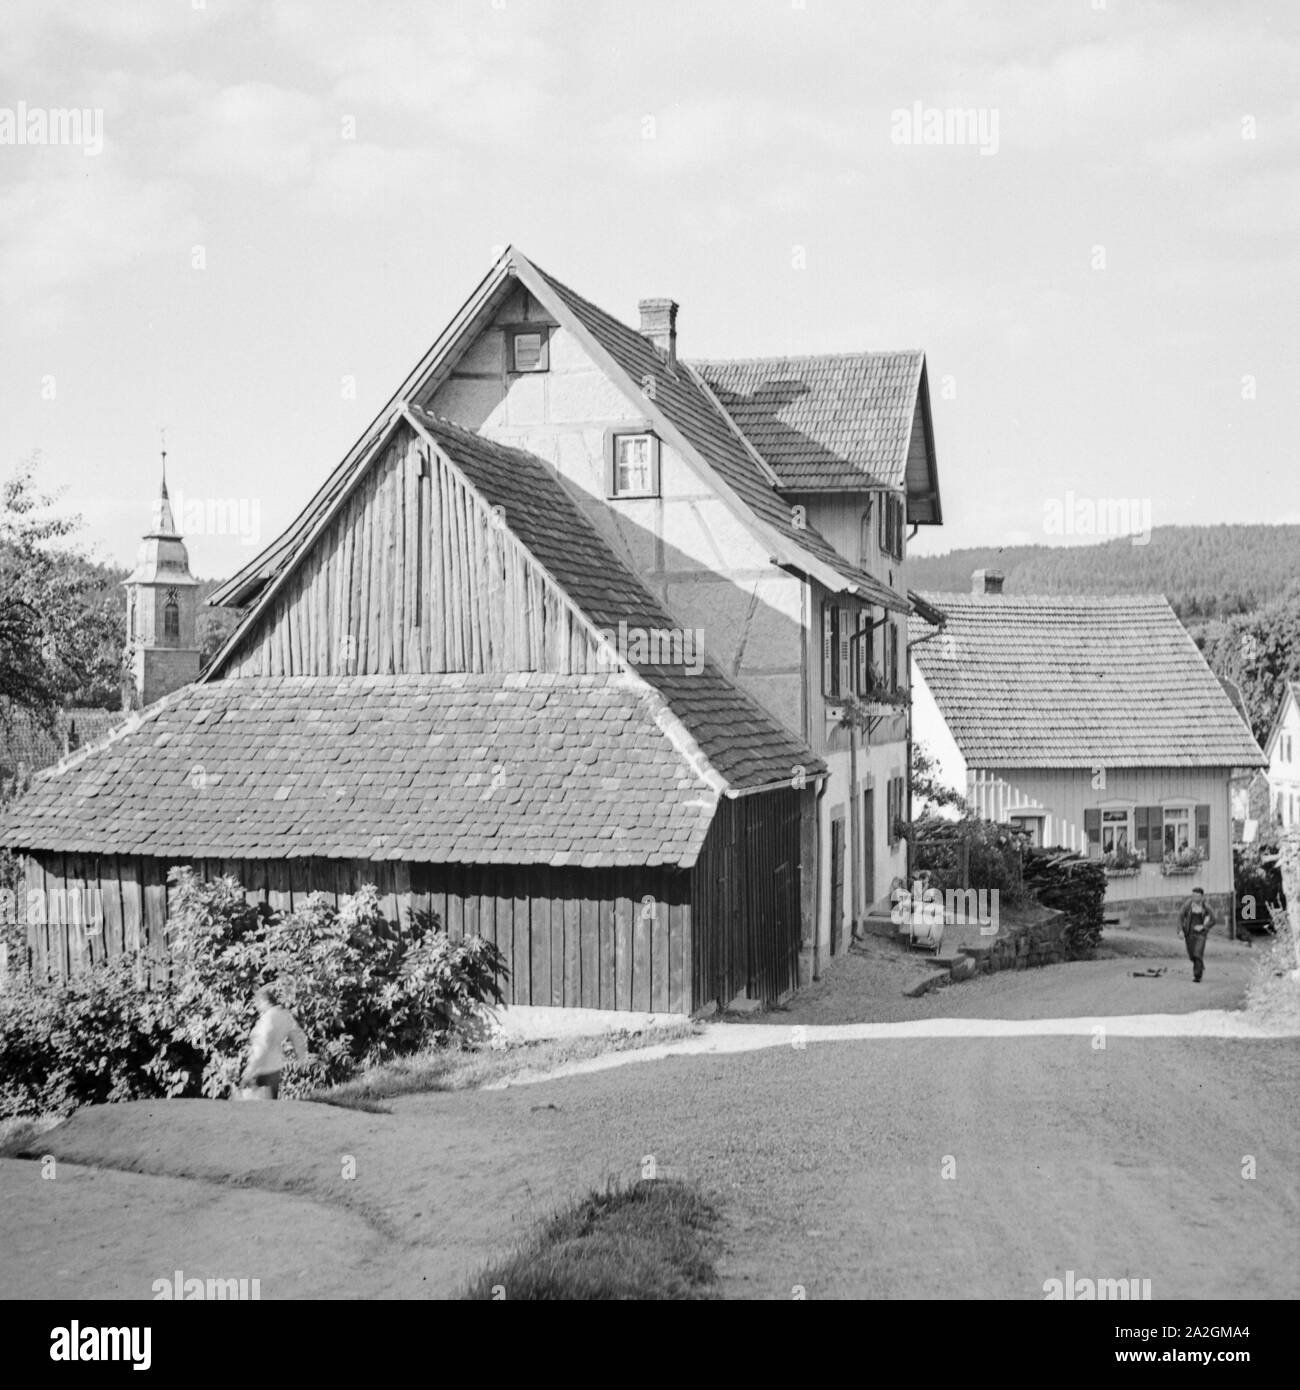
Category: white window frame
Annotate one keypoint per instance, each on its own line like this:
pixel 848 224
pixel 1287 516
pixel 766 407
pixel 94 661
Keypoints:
pixel 616 439
pixel 1121 818
pixel 1184 812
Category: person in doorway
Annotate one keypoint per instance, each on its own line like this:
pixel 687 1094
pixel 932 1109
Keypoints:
pixel 275 1026
pixel 1195 921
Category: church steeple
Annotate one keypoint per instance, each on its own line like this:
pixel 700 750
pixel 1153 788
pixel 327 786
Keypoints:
pixel 162 649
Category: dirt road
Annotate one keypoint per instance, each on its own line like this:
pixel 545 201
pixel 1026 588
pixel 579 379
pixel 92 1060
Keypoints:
pixel 933 1167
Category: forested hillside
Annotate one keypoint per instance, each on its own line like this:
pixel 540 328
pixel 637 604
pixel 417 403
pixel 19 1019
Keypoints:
pixel 1204 571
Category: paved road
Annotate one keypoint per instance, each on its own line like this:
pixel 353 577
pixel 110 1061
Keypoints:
pixel 949 1167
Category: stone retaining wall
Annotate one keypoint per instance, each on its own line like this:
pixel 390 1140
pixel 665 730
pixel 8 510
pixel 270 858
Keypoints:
pixel 1038 939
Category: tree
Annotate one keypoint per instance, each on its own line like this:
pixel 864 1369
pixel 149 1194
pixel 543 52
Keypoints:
pixel 60 635
pixel 927 789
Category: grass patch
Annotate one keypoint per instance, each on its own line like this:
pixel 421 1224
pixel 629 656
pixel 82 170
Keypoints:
pixel 651 1240
pixel 464 1068
pixel 18 1136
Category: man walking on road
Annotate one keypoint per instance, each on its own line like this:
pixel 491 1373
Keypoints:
pixel 1195 921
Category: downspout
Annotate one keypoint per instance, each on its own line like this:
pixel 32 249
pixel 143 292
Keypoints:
pixel 822 784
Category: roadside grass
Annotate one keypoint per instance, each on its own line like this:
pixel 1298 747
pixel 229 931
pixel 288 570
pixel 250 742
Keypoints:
pixel 1272 995
pixel 467 1067
pixel 650 1240
pixel 18 1135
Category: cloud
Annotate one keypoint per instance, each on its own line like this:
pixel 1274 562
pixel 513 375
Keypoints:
pixel 60 231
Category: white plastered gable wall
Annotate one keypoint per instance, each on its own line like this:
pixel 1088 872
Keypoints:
pixel 930 730
pixel 687 545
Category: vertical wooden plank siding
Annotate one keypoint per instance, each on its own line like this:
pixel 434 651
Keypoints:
pixel 593 938
pixel 414 574
pixel 745 897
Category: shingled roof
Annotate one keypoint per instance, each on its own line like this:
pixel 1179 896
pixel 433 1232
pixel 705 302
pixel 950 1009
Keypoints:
pixel 1077 682
pixel 521 769
pixel 26 743
pixel 824 422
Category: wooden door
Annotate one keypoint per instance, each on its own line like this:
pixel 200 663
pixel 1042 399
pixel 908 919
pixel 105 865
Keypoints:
pixel 837 882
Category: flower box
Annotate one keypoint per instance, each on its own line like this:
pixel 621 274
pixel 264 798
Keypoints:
pixel 1132 872
pixel 1170 869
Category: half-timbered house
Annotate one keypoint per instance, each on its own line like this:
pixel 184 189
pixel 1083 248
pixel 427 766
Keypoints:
pixel 581 647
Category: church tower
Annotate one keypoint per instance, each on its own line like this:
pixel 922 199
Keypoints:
pixel 162 646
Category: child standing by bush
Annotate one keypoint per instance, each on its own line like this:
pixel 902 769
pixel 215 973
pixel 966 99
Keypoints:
pixel 275 1027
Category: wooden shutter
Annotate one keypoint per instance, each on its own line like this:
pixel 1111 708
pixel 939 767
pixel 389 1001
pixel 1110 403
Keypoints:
pixel 893 655
pixel 1203 830
pixel 846 667
pixel 1092 828
pixel 828 647
pixel 864 640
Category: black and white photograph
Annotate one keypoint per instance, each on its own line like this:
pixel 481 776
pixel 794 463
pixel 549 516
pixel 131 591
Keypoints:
pixel 649 652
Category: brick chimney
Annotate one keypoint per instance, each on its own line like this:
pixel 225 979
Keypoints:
pixel 986 582
pixel 659 324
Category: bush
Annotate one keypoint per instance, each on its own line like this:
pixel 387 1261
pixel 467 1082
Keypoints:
pixel 97 1037
pixel 361 992
pixel 970 853
pixel 1257 884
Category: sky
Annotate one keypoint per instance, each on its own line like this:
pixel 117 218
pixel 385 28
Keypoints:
pixel 272 207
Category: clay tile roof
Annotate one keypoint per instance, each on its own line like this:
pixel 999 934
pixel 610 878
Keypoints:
pixel 825 421
pixel 26 743
pixel 1077 682
pixel 429 768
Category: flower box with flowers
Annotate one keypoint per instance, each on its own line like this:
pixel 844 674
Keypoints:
pixel 1123 862
pixel 1182 861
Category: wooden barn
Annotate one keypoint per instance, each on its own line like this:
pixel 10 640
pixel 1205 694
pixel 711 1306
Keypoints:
pixel 453 688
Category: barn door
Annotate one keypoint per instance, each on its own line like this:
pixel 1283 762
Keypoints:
pixel 837 882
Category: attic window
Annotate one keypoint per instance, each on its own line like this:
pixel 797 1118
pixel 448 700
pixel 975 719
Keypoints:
pixel 529 350
pixel 632 464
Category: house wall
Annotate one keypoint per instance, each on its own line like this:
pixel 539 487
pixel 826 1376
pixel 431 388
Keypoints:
pixel 687 545
pixel 1284 770
pixel 1062 795
pixel 930 729
pixel 572 937
pixel 882 753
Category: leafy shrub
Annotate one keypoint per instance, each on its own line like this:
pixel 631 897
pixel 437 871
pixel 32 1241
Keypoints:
pixel 361 992
pixel 985 854
pixel 97 1037
pixel 1257 884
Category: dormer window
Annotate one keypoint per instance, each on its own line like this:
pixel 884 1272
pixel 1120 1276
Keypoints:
pixel 530 349
pixel 632 463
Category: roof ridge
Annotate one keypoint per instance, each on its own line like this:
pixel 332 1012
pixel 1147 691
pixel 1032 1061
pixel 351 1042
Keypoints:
pixel 849 355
